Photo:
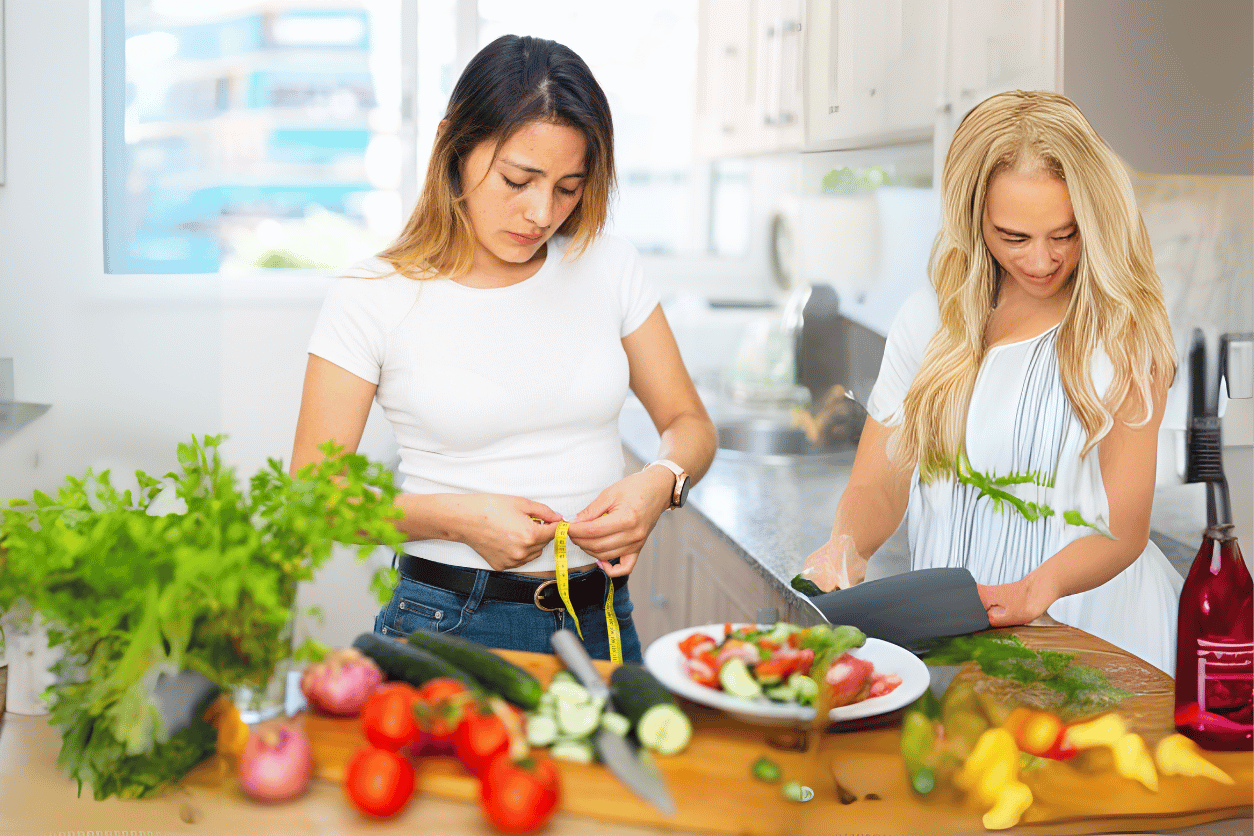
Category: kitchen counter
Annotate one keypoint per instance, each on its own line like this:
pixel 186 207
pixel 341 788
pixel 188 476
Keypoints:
pixel 711 781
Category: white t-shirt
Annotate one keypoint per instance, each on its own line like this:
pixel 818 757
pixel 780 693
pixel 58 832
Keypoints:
pixel 514 390
pixel 1020 422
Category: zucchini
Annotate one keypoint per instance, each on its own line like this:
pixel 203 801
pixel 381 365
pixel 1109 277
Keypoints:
pixel 407 663
pixel 654 713
pixel 493 672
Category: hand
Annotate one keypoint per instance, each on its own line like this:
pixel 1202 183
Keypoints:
pixel 1008 604
pixel 506 531
pixel 836 564
pixel 620 519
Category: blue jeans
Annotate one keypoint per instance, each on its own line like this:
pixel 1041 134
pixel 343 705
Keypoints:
pixel 504 624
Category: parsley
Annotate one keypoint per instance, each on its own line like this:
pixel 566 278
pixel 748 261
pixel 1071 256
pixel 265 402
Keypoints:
pixel 193 571
pixel 1083 688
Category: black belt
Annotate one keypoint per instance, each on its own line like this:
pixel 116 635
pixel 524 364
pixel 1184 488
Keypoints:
pixel 587 590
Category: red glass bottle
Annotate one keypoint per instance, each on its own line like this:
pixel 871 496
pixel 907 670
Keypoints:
pixel 1215 646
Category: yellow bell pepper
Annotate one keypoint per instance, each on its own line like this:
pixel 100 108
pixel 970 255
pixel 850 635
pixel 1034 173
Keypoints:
pixel 1103 731
pixel 1178 755
pixel 1132 760
pixel 1012 802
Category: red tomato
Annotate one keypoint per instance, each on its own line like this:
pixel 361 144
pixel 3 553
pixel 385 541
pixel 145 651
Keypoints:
pixel 483 734
pixel 703 669
pixel 695 644
pixel 388 717
pixel 849 679
pixel 520 797
pixel 378 782
pixel 439 707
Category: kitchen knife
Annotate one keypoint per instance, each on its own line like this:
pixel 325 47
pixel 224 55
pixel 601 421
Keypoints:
pixel 633 764
pixel 912 609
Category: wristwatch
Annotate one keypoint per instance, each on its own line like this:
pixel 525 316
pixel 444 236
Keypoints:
pixel 680 494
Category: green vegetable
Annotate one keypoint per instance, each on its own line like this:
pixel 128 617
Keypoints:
pixel 737 680
pixel 805 586
pixel 577 749
pixel 541 729
pixel 614 722
pixel 654 713
pixel 577 719
pixel 408 663
pixel 191 571
pixel 829 643
pixel 494 672
pixel 794 791
pixel 805 690
pixel 765 769
pixel 1085 688
pixel 918 740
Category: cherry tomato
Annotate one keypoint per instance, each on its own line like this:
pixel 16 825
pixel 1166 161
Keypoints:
pixel 378 782
pixel 520 797
pixel 388 717
pixel 695 644
pixel 482 733
pixel 439 707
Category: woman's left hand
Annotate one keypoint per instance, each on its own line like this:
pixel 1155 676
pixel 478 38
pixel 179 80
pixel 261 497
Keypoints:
pixel 1008 604
pixel 619 520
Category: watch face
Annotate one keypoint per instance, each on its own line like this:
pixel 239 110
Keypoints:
pixel 681 491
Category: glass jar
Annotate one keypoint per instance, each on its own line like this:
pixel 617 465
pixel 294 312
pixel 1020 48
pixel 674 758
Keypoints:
pixel 1215 646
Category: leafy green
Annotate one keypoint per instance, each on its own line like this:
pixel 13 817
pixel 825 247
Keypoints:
pixel 1005 656
pixel 805 586
pixel 189 572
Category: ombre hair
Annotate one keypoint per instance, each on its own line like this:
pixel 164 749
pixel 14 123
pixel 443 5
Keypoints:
pixel 1117 298
pixel 511 83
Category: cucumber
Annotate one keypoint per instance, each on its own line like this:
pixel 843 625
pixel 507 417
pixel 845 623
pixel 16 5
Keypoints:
pixel 614 722
pixel 493 672
pixel 576 749
pixel 407 663
pixel 569 691
pixel 805 689
pixel 541 729
pixel 577 719
pixel 765 769
pixel 660 724
pixel 736 679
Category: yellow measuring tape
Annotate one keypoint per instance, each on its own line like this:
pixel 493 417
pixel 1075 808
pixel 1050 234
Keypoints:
pixel 563 589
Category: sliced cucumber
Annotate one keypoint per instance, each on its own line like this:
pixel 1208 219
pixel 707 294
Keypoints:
pixel 577 719
pixel 765 769
pixel 614 722
pixel 805 689
pixel 541 729
pixel 576 749
pixel 569 691
pixel 783 693
pixel 660 724
pixel 737 680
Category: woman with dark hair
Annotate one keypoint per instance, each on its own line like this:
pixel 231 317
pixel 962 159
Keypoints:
pixel 500 334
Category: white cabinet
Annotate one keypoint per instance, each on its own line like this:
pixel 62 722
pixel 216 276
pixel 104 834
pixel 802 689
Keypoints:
pixel 871 72
pixel 749 77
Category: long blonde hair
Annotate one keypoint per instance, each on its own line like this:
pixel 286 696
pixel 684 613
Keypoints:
pixel 512 82
pixel 1116 302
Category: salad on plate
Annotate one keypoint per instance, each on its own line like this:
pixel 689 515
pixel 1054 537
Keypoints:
pixel 785 663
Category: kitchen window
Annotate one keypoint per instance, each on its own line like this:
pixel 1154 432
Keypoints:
pixel 250 134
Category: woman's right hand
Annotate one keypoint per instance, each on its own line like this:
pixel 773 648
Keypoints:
pixel 836 564
pixel 506 531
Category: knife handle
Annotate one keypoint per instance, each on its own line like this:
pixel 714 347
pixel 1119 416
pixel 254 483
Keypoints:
pixel 570 650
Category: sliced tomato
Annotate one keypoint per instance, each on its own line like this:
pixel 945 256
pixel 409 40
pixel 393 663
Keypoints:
pixel 740 649
pixel 774 670
pixel 849 679
pixel 883 683
pixel 695 644
pixel 703 669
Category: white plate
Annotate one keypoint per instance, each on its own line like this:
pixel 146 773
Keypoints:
pixel 665 661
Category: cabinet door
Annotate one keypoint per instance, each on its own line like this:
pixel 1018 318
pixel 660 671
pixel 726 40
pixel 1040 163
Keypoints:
pixel 778 53
pixel 997 45
pixel 725 103
pixel 721 586
pixel 870 72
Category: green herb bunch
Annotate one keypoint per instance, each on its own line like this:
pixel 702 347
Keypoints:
pixel 191 572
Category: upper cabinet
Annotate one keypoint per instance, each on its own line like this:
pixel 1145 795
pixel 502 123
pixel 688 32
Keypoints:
pixel 870 72
pixel 750 77
pixel 1167 84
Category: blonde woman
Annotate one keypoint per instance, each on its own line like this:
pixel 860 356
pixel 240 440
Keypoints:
pixel 500 335
pixel 1017 409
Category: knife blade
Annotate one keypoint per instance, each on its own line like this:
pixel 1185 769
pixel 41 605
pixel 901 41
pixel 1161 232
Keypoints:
pixel 633 764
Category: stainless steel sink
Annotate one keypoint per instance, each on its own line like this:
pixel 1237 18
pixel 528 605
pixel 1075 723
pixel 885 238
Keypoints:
pixel 770 439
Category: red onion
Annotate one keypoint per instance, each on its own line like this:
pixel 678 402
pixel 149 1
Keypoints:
pixel 340 684
pixel 277 762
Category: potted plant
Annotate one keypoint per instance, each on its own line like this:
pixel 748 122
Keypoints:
pixel 191 572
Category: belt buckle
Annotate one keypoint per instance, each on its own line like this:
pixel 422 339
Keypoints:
pixel 540 593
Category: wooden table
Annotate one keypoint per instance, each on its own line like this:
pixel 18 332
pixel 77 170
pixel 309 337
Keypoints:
pixel 711 783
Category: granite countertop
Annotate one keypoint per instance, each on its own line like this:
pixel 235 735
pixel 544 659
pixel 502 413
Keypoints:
pixel 776 514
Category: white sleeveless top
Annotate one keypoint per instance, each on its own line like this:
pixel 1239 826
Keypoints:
pixel 1020 423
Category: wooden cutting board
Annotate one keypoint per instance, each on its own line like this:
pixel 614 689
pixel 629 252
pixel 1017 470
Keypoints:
pixel 716 793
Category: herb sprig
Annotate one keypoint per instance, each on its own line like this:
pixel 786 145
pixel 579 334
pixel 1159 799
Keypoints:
pixel 189 572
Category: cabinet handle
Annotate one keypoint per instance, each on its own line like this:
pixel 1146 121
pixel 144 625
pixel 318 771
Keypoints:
pixel 660 601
